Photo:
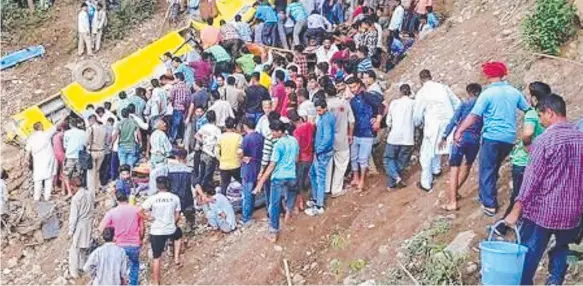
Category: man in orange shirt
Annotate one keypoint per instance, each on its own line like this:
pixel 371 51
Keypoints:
pixel 209 35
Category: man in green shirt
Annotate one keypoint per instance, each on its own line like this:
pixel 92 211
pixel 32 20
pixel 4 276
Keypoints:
pixel 127 132
pixel 519 156
pixel 245 61
pixel 222 59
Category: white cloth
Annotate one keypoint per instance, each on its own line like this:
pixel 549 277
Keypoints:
pixel 379 29
pixel 316 21
pixel 44 163
pixel 324 56
pixel 435 104
pixel 3 197
pixel 83 22
pixel 81 218
pixel 164 207
pixel 335 171
pixel 209 134
pixel 223 110
pixel 307 109
pixel 99 21
pixel 263 126
pixel 375 87
pixel 400 121
pixel 397 18
pixel 109 263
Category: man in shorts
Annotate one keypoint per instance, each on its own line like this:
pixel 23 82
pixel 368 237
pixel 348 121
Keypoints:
pixel 468 147
pixel 163 210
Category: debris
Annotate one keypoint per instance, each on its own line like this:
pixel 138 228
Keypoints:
pixel 370 282
pixel 287 276
pixel 471 268
pixel 349 280
pixel 408 273
pixel 51 228
pixel 461 243
pixel 277 248
pixel 383 249
pixel 298 279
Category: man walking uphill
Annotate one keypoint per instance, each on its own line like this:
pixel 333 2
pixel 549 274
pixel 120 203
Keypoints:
pixel 550 201
pixel 497 106
pixel 80 219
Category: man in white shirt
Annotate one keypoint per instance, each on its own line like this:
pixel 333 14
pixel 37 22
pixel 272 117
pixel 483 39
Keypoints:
pixel 164 212
pixel 306 108
pixel 400 141
pixel 97 25
pixel 318 25
pixel 435 104
pixel 372 85
pixel 325 52
pixel 84 31
pixel 222 109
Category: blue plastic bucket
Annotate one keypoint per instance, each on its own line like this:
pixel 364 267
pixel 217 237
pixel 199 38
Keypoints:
pixel 502 261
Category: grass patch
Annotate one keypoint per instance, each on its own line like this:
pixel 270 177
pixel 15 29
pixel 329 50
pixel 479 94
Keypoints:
pixel 550 25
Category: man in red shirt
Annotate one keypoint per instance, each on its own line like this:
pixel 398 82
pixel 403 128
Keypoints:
pixel 304 133
pixel 278 95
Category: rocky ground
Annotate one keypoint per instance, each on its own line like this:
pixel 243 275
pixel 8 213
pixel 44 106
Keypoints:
pixel 361 236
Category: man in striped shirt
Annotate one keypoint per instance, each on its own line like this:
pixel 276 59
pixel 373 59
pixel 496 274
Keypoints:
pixel 179 94
pixel 365 63
pixel 550 201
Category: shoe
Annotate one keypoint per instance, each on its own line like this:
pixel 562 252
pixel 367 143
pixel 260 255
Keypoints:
pixel 310 204
pixel 423 189
pixel 314 211
pixel 339 194
pixel 437 175
pixel 489 212
pixel 400 184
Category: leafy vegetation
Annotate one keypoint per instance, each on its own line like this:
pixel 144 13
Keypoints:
pixel 549 26
pixel 16 18
pixel 357 265
pixel 122 19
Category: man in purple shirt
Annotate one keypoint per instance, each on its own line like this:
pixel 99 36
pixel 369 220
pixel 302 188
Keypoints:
pixel 251 163
pixel 550 201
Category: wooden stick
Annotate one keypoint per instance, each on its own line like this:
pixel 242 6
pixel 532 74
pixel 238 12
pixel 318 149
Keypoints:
pixel 286 267
pixel 165 19
pixel 408 273
pixel 558 58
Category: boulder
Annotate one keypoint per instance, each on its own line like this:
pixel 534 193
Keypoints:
pixel 461 243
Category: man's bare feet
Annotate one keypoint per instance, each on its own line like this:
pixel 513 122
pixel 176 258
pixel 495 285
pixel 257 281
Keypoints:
pixel 287 217
pixel 272 237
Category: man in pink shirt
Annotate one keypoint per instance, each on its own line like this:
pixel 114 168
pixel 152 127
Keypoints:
pixel 129 232
pixel 210 35
pixel 420 9
pixel 278 94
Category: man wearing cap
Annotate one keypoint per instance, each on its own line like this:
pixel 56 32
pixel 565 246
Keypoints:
pixel 497 106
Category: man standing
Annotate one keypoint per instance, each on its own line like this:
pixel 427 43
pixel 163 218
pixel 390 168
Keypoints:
pixel 252 152
pixel 255 94
pixel 230 38
pixel 80 220
pixel 108 263
pixel 180 94
pixel 209 135
pixel 278 94
pixel 234 96
pixel 127 132
pixel 434 107
pixel 497 106
pixel 325 52
pixel 185 70
pixel 282 170
pixel 267 14
pixel 96 137
pixel 228 153
pixel 400 141
pixel 242 28
pixel 551 199
pixel 298 13
pixel 44 163
pixel 343 129
pixel 163 210
pixel 396 23
pixel 323 151
pixel 160 146
pixel 98 24
pixel 129 232
pixel 181 177
pixel 84 32
pixel 74 140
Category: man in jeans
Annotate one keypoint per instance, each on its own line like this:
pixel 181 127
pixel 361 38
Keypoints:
pixel 550 201
pixel 228 153
pixel 250 165
pixel 519 157
pixel 400 140
pixel 324 150
pixel 129 232
pixel 298 13
pixel 127 130
pixel 283 180
pixel 497 106
pixel 180 95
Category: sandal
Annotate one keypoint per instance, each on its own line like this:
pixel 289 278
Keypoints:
pixel 449 208
pixel 489 212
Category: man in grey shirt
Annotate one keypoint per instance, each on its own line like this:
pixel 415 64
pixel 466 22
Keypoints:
pixel 107 264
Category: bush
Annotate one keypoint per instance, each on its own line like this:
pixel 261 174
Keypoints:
pixel 550 25
pixel 16 18
pixel 122 19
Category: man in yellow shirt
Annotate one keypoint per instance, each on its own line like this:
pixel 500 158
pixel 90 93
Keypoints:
pixel 229 153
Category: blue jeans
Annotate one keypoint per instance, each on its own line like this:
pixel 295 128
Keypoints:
pixel 269 33
pixel 536 238
pixel 396 159
pixel 207 166
pixel 127 155
pixel 177 123
pixel 318 177
pixel 133 253
pixel 492 155
pixel 248 201
pixel 360 152
pixel 279 187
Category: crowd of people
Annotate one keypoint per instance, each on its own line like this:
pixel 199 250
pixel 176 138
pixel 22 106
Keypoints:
pixel 286 129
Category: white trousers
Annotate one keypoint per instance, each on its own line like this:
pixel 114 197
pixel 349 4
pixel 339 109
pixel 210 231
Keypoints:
pixel 336 170
pixel 430 163
pixel 38 188
pixel 77 257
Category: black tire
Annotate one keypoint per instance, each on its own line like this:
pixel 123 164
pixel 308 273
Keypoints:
pixel 94 83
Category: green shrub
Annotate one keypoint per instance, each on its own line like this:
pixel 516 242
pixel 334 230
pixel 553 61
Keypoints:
pixel 123 19
pixel 550 25
pixel 14 18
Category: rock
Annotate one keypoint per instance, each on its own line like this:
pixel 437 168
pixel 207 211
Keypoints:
pixel 12 262
pixel 579 6
pixel 313 265
pixel 383 249
pixel 60 281
pixel 278 248
pixel 6 271
pixel 506 32
pixel 369 282
pixel 349 280
pixel 471 268
pixel 461 243
pixel 371 226
pixel 36 270
pixel 298 279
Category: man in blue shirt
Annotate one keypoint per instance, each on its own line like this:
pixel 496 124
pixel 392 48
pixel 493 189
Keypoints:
pixel 250 166
pixel 265 12
pixel 298 13
pixel 282 170
pixel 365 106
pixel 468 147
pixel 497 106
pixel 323 149
pixel 181 67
